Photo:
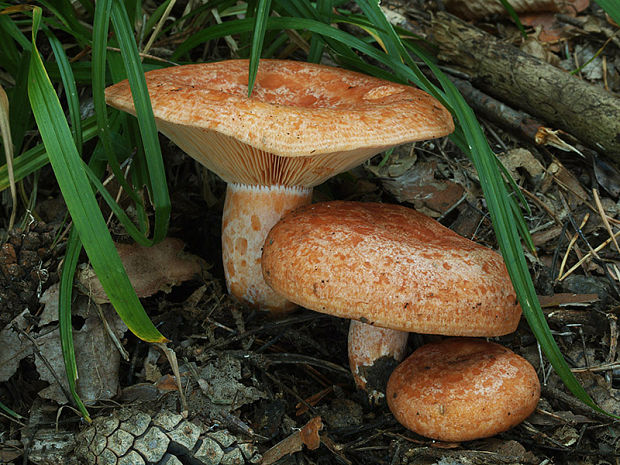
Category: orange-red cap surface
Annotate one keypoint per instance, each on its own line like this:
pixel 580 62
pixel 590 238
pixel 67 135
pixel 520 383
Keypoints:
pixel 462 389
pixel 389 266
pixel 329 119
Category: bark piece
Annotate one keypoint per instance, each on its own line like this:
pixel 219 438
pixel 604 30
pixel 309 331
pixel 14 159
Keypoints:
pixel 588 112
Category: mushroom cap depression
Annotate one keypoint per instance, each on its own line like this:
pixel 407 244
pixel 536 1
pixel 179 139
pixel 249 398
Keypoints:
pixel 303 123
pixel 462 389
pixel 389 266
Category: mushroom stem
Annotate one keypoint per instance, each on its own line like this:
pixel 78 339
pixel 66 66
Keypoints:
pixel 249 213
pixel 373 354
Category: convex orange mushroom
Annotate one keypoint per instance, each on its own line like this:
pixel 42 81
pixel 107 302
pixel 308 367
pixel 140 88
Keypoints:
pixel 462 389
pixel 302 124
pixel 388 266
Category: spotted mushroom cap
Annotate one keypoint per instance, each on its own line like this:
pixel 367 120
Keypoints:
pixel 389 266
pixel 462 389
pixel 303 123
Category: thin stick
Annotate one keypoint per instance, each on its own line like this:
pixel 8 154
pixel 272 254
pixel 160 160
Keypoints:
pixel 601 212
pixel 589 255
pixel 571 244
pixel 5 131
pixel 158 27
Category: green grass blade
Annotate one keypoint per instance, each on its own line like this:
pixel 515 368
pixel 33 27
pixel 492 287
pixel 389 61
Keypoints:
pixel 68 81
pixel 515 17
pixel 317 44
pixel 9 26
pixel 10 56
pixel 612 8
pixel 36 158
pixel 99 60
pixel 133 231
pixel 10 412
pixel 263 8
pixel 21 116
pixel 65 13
pixel 80 200
pixel 155 16
pixel 65 325
pixel 146 120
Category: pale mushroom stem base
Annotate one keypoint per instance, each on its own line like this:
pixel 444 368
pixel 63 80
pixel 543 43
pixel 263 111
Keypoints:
pixel 249 213
pixel 373 354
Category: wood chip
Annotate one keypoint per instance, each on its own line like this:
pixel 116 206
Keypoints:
pixel 308 435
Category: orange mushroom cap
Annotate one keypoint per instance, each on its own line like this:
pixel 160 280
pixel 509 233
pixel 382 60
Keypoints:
pixel 462 389
pixel 389 266
pixel 322 120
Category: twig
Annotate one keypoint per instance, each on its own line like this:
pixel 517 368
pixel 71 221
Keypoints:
pixel 601 212
pixel 571 244
pixel 303 318
pixel 588 255
pixel 45 361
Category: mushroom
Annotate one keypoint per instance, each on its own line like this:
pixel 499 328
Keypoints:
pixel 302 124
pixel 461 389
pixel 391 267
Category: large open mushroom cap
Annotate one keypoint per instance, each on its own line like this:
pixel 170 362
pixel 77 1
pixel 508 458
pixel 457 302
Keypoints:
pixel 303 123
pixel 389 266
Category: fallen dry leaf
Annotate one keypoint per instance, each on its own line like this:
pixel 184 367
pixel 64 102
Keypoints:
pixel 14 347
pixel 97 357
pixel 308 435
pixel 150 269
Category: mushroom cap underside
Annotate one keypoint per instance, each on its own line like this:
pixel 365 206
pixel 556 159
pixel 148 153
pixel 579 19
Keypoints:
pixel 389 266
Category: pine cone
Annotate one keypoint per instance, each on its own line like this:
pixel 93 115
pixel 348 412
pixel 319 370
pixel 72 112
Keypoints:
pixel 133 437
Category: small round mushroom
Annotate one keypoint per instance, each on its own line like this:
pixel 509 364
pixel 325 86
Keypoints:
pixel 391 267
pixel 302 124
pixel 462 389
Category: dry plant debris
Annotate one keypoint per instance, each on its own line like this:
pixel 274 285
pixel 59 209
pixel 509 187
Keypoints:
pixel 150 269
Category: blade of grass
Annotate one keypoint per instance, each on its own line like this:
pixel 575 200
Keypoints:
pixel 260 25
pixel 36 158
pixel 21 116
pixel 507 235
pixel 515 17
pixel 65 13
pixel 146 120
pixel 5 132
pixel 65 325
pixel 101 23
pixel 10 412
pixel 68 82
pixel 317 44
pixel 80 200
pixel 612 8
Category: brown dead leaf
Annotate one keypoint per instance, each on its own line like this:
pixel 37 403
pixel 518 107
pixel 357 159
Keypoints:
pixel 98 359
pixel 517 159
pixel 419 187
pixel 14 347
pixel 308 435
pixel 150 269
pixel 567 181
